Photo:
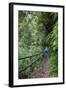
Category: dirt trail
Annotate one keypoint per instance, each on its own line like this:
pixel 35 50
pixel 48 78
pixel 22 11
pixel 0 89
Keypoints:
pixel 42 70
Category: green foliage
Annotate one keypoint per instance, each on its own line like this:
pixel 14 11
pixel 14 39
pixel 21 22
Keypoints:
pixel 53 38
pixel 53 54
pixel 53 66
pixel 35 31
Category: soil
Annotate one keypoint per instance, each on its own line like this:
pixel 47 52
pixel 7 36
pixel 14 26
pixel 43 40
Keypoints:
pixel 42 70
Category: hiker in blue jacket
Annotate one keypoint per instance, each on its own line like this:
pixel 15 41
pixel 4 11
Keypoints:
pixel 44 53
pixel 46 50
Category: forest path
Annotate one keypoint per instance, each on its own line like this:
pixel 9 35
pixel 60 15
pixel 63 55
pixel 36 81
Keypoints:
pixel 42 70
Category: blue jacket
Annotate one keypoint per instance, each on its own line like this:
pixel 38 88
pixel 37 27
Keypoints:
pixel 46 50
